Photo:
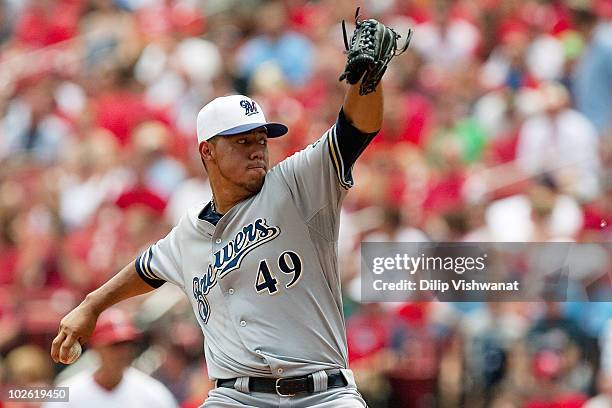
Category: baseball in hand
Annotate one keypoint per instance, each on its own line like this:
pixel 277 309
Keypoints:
pixel 74 353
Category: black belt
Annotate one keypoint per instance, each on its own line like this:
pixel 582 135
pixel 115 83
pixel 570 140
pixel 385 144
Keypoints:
pixel 287 387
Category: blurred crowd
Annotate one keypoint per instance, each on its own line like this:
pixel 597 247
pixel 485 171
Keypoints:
pixel 498 127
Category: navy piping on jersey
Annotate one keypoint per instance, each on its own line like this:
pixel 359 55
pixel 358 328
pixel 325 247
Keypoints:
pixel 210 215
pixel 346 143
pixel 143 267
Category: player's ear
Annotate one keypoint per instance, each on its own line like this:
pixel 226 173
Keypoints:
pixel 206 148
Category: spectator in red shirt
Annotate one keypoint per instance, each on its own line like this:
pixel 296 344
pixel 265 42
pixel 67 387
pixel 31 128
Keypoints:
pixel 368 340
pixel 550 393
pixel 119 106
pixel 46 22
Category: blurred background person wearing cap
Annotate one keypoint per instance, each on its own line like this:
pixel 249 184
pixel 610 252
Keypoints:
pixel 114 383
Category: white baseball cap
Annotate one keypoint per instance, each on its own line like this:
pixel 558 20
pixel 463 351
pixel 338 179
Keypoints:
pixel 233 114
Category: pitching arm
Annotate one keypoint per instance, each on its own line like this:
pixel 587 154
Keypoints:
pixel 78 325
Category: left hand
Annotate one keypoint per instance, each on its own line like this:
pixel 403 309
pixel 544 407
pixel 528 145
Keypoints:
pixel 372 47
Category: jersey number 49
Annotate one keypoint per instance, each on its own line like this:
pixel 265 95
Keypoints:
pixel 289 263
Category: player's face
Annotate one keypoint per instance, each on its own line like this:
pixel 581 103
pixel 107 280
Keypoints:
pixel 243 159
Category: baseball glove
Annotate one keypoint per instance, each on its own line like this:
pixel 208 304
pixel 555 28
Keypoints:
pixel 372 47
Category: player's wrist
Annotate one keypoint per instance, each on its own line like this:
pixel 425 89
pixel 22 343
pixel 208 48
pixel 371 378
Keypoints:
pixel 92 304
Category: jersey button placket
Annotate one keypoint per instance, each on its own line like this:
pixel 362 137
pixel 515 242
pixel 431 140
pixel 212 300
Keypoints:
pixel 218 241
pixel 231 291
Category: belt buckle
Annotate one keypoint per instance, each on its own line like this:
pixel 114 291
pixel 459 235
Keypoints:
pixel 277 388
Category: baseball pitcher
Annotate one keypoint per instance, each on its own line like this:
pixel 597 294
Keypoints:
pixel 258 263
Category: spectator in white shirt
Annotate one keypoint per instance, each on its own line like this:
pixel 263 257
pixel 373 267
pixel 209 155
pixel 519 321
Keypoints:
pixel 114 383
pixel 561 142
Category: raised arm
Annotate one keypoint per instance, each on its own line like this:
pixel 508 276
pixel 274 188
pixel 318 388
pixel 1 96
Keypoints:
pixel 365 112
pixel 369 52
pixel 79 324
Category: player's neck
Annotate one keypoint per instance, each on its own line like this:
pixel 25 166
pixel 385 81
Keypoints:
pixel 222 207
pixel 108 379
pixel 224 199
pixel 226 193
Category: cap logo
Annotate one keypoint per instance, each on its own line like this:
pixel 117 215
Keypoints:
pixel 249 106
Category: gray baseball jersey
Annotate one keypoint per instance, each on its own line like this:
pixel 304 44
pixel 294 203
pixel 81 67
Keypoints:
pixel 263 282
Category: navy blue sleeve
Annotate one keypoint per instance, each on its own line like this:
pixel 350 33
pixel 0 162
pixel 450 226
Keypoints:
pixel 347 144
pixel 144 270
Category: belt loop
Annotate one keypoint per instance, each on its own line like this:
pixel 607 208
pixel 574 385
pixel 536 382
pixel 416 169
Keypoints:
pixel 348 376
pixel 320 381
pixel 242 384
